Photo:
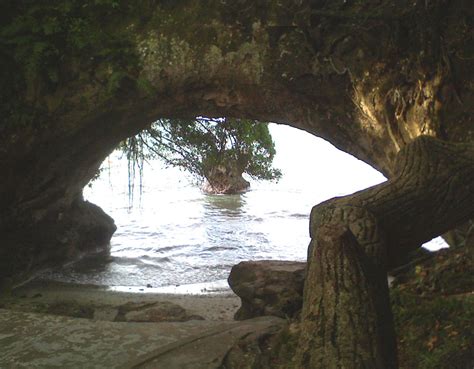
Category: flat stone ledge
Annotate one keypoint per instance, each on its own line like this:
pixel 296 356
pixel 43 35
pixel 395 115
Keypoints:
pixel 31 340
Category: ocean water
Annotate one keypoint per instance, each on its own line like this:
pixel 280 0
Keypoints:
pixel 175 235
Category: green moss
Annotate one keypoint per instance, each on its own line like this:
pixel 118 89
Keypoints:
pixel 47 44
pixel 434 332
pixel 433 308
pixel 115 81
pixel 176 58
pixel 283 346
pixel 42 35
pixel 145 87
pixel 446 272
pixel 295 61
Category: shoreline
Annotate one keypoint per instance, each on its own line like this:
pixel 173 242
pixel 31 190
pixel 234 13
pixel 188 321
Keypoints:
pixel 220 287
pixel 211 301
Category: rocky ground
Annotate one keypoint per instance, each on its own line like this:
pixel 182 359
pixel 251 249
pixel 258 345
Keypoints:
pixel 55 325
pixel 33 340
pixel 98 303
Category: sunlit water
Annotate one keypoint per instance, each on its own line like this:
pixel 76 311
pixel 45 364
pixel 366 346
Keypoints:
pixel 176 235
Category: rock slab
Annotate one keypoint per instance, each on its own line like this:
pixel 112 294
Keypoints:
pixel 268 287
pixel 32 340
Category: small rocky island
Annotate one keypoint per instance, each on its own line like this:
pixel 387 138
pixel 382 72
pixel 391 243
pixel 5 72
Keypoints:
pixel 389 82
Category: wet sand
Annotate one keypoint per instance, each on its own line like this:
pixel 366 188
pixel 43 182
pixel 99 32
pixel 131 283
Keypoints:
pixel 211 302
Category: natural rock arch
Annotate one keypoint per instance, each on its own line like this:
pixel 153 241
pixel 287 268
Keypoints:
pixel 369 76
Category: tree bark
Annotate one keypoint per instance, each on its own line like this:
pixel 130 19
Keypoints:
pixel 346 318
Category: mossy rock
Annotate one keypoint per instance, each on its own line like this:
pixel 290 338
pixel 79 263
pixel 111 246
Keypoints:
pixel 447 272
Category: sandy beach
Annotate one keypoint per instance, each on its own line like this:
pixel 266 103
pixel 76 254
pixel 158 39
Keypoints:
pixel 42 325
pixel 211 302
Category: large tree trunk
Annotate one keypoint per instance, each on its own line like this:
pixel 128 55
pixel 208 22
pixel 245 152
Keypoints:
pixel 346 315
pixel 346 318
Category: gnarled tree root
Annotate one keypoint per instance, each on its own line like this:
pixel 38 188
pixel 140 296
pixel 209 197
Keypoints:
pixel 346 318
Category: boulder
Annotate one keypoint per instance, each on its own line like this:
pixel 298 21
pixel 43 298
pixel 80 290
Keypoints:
pixel 155 312
pixel 53 239
pixel 268 287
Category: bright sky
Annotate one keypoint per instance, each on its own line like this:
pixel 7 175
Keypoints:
pixel 302 155
pixel 332 172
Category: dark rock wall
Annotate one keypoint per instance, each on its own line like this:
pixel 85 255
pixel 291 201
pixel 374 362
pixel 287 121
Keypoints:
pixel 55 239
pixel 367 76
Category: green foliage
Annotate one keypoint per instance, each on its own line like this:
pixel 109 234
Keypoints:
pixel 202 144
pixel 40 39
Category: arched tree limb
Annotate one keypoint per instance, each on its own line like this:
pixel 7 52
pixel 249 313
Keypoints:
pixel 346 319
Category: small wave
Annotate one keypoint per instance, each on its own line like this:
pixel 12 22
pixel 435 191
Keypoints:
pixel 219 248
pixel 299 216
pixel 132 249
pixel 119 260
pixel 174 249
pixel 165 249
pixel 154 259
pixel 140 259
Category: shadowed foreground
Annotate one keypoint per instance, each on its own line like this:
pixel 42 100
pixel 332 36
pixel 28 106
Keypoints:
pixel 30 340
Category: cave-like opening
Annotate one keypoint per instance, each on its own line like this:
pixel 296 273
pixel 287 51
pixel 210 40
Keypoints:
pixel 173 237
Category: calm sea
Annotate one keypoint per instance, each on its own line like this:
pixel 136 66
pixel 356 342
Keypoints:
pixel 174 235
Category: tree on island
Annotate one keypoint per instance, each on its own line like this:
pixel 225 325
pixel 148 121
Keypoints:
pixel 215 151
